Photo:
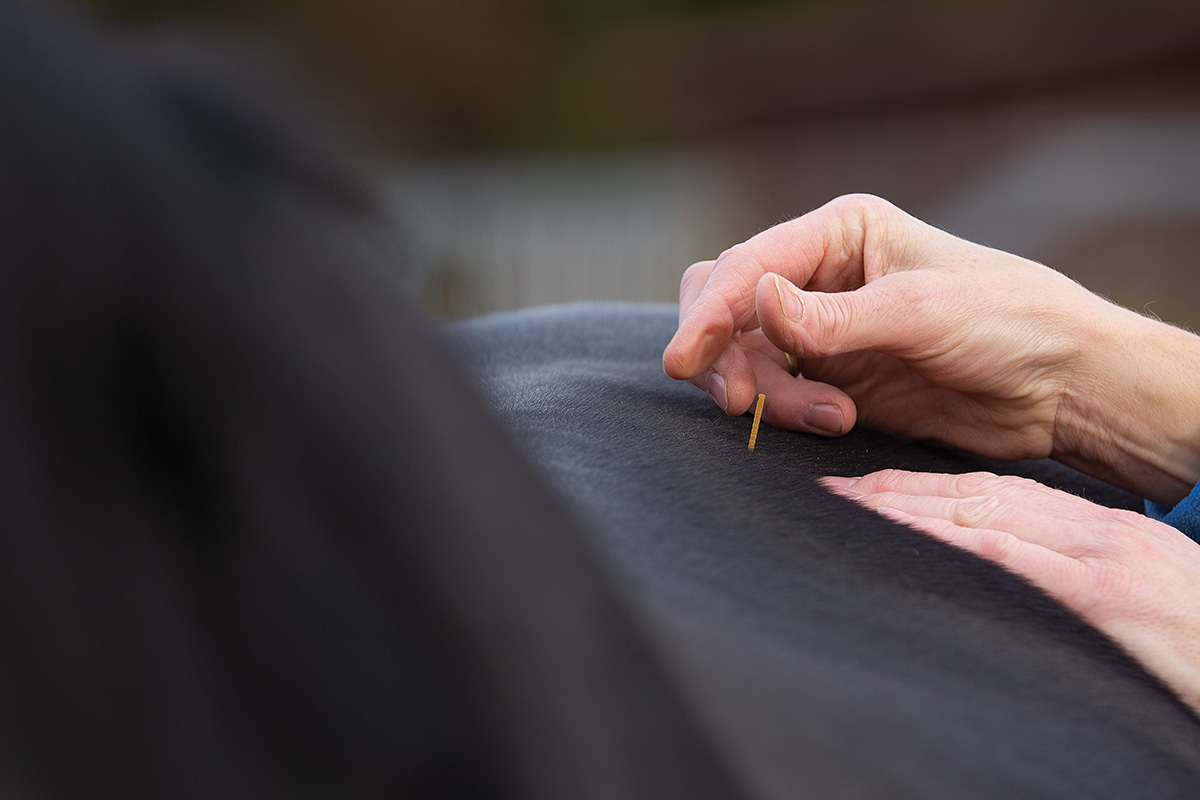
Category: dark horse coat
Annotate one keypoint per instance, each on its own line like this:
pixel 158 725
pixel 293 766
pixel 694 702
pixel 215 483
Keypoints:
pixel 829 652
pixel 260 534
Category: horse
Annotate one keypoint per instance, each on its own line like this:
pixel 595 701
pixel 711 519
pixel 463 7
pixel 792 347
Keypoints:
pixel 829 651
pixel 266 531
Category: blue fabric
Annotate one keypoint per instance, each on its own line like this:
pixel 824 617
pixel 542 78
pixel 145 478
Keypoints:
pixel 1185 515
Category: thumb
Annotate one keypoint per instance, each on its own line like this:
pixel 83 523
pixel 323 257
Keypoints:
pixel 821 324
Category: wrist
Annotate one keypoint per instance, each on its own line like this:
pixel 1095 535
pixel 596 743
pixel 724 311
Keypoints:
pixel 1130 414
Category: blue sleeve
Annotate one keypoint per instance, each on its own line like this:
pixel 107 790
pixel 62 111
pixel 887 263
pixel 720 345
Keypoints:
pixel 1185 516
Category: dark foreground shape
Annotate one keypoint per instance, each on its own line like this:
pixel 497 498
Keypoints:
pixel 258 536
pixel 830 652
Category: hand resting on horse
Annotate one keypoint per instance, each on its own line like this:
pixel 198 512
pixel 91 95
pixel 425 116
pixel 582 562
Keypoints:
pixel 908 329
pixel 1128 575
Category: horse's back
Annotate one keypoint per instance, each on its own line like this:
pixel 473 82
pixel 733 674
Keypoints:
pixel 831 652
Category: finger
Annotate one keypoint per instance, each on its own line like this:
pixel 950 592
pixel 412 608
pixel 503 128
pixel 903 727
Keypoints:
pixel 1035 513
pixel 691 284
pixel 892 315
pixel 1063 534
pixel 1059 575
pixel 828 241
pixel 729 367
pixel 1008 488
pixel 706 328
pixel 1144 602
pixel 730 381
pixel 796 403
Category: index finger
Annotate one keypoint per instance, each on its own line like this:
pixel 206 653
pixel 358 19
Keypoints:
pixel 695 278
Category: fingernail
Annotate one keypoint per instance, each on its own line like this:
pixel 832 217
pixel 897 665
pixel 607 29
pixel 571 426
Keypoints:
pixel 895 514
pixel 789 299
pixel 825 417
pixel 716 388
pixel 838 484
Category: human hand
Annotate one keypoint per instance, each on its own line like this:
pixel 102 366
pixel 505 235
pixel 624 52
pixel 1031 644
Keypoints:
pixel 914 331
pixel 1130 576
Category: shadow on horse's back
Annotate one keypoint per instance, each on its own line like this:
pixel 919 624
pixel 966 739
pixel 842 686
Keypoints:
pixel 829 651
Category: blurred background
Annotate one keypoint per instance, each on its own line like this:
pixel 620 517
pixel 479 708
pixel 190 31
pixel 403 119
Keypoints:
pixel 538 151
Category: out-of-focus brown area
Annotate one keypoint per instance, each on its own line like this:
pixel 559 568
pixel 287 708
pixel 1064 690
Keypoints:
pixel 547 150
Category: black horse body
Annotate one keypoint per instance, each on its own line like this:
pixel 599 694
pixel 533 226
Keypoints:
pixel 830 652
pixel 262 537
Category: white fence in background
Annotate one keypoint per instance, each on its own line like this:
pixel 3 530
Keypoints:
pixel 1071 189
pixel 488 235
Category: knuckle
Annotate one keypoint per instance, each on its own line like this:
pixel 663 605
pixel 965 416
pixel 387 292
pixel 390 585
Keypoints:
pixel 883 480
pixel 996 545
pixel 974 483
pixel 870 211
pixel 718 324
pixel 1124 536
pixel 737 256
pixel 859 203
pixel 1131 521
pixel 1126 533
pixel 977 512
pixel 696 273
pixel 742 267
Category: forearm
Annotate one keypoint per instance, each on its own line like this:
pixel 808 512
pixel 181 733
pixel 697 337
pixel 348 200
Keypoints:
pixel 1131 414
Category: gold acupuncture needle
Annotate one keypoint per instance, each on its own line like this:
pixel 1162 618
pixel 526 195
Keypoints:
pixel 757 418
